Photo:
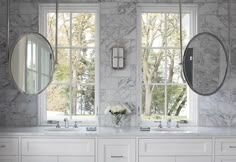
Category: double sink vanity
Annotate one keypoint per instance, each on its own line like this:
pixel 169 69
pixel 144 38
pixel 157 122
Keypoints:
pixel 44 144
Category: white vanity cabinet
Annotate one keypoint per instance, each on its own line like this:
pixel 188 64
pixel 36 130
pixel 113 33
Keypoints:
pixel 39 158
pixel 58 150
pixel 8 159
pixel 225 150
pixel 56 159
pixel 175 150
pixel 9 151
pixel 116 150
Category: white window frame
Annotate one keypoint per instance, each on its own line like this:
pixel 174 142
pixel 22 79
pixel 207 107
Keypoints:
pixel 91 7
pixel 174 7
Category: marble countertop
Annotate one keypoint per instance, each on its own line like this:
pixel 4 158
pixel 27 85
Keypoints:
pixel 112 132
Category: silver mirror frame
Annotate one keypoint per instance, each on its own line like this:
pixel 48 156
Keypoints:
pixel 226 70
pixel 10 58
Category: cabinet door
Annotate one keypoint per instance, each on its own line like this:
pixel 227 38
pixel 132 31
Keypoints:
pixel 225 146
pixel 156 159
pixel 194 159
pixel 225 159
pixel 8 159
pixel 116 150
pixel 55 147
pixel 76 159
pixel 9 146
pixel 39 159
pixel 173 147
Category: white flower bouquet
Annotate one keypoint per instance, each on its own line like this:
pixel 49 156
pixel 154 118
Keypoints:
pixel 118 112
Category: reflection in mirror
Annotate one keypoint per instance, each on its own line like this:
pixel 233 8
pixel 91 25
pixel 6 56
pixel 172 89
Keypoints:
pixel 205 63
pixel 32 63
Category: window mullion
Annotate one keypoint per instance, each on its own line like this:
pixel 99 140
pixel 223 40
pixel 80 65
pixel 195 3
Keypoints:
pixel 71 71
pixel 165 45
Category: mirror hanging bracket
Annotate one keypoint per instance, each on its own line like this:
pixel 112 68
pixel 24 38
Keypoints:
pixel 229 31
pixel 8 29
pixel 56 34
pixel 180 33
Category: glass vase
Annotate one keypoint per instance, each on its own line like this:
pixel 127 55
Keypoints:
pixel 117 120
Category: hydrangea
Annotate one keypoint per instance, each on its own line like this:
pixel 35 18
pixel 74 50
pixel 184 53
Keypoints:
pixel 118 109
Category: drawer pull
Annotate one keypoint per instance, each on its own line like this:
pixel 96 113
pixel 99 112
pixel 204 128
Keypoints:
pixel 117 156
pixel 232 147
pixel 2 146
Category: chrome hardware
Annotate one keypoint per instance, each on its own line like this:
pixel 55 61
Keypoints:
pixel 177 124
pixel 58 125
pixel 76 124
pixel 160 125
pixel 234 147
pixel 168 123
pixel 2 146
pixel 66 123
pixel 117 156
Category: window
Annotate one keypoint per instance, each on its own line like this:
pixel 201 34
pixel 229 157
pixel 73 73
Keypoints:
pixel 164 92
pixel 72 93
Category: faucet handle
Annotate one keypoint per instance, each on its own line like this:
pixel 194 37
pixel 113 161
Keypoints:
pixel 65 119
pixel 76 124
pixel 177 124
pixel 58 125
pixel 160 125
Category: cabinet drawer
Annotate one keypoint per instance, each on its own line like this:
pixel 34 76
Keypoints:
pixel 8 146
pixel 225 159
pixel 157 159
pixel 152 147
pixel 116 150
pixel 8 158
pixel 194 159
pixel 225 146
pixel 84 147
pixel 39 159
pixel 76 159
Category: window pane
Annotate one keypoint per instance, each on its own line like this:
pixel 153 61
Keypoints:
pixel 51 23
pixel 83 65
pixel 83 29
pixel 153 101
pixel 58 102
pixel 62 71
pixel 63 29
pixel 153 27
pixel 186 26
pixel 172 31
pixel 177 101
pixel 83 102
pixel 153 66
pixel 174 70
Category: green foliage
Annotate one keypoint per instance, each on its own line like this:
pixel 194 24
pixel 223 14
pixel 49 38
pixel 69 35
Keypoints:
pixel 75 66
pixel 158 33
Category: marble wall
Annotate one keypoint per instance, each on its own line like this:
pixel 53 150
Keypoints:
pixel 118 27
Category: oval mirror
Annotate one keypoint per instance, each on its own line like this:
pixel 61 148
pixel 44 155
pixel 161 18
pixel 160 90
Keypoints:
pixel 205 63
pixel 32 63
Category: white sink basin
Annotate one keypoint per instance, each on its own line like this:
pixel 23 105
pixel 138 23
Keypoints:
pixel 63 129
pixel 168 129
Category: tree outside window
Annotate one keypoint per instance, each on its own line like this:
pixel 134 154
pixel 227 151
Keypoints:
pixel 72 91
pixel 164 91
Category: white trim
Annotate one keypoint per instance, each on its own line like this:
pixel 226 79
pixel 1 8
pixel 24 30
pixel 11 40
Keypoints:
pixel 86 8
pixel 173 8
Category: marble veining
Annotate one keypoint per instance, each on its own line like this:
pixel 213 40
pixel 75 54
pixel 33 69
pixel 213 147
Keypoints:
pixel 118 27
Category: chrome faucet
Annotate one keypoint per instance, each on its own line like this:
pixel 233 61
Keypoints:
pixel 168 123
pixel 66 122
pixel 58 125
pixel 159 125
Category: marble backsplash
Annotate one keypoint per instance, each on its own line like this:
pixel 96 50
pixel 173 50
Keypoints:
pixel 118 27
